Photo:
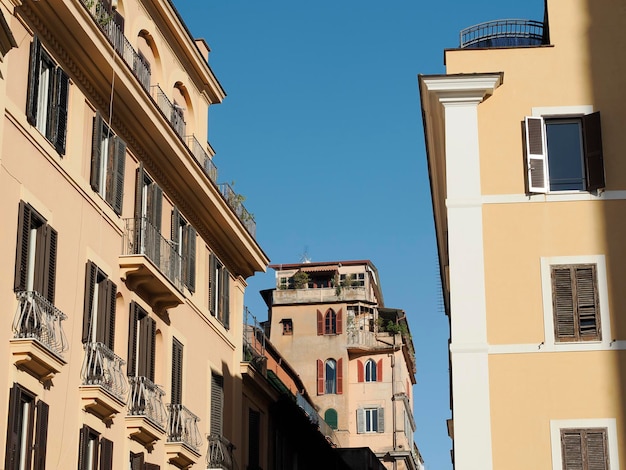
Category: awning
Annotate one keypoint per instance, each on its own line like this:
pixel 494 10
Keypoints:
pixel 320 269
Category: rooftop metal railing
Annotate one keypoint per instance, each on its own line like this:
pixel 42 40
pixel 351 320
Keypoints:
pixel 183 426
pixel 102 367
pixel 234 200
pixel 146 399
pixel 196 149
pixel 173 112
pixel 503 33
pixel 315 418
pixel 219 453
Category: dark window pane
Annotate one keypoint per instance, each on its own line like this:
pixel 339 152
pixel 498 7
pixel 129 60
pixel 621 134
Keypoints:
pixel 565 162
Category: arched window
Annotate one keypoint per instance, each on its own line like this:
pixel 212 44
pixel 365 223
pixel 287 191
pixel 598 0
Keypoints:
pixel 330 322
pixel 330 416
pixel 370 371
pixel 330 379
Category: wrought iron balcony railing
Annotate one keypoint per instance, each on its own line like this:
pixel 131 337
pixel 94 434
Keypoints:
pixel 105 21
pixel 234 200
pixel 172 112
pixel 316 419
pixel 202 157
pixel 146 399
pixel 219 453
pixel 102 367
pixel 182 426
pixel 503 33
pixel 143 238
pixel 38 319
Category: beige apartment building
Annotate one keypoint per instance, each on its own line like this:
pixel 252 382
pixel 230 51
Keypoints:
pixel 123 263
pixel 354 355
pixel 525 140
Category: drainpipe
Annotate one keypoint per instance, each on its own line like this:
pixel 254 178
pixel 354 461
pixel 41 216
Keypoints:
pixel 393 401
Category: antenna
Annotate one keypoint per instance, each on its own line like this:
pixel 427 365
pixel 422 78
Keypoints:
pixel 305 258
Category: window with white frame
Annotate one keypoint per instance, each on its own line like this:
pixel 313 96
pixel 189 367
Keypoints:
pixel 584 444
pixel 370 420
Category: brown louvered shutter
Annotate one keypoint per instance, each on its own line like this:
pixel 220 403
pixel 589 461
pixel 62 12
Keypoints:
pixel 597 449
pixel 320 323
pixel 41 436
pixel 594 160
pixel 83 448
pixel 536 158
pixel 59 118
pixel 340 376
pixel 109 312
pixel 139 184
pixel 190 256
pixel 151 348
pixel 177 372
pixel 360 371
pixel 13 426
pixel 119 166
pixel 587 303
pixel 212 284
pixel 572 449
pixel 21 256
pixel 563 304
pixel 106 454
pixel 136 461
pixel 217 405
pixel 379 371
pixel 90 287
pixel 49 264
pixel 151 466
pixel 226 298
pixel 320 377
pixel 33 81
pixel 131 366
pixel 175 226
pixel 339 321
pixel 96 149
pixel 155 206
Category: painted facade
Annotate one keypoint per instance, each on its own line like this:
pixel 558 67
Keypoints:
pixel 523 137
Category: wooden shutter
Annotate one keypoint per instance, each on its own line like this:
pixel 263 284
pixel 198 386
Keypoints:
pixel 136 461
pixel 90 287
pixel 594 160
pixel 585 449
pixel 131 366
pixel 563 304
pixel 83 447
pixel 217 404
pixel 177 371
pixel 139 184
pixel 23 237
pixel 151 466
pixel 49 264
pixel 536 157
pixel 379 371
pixel 13 426
pixel 320 377
pixel 175 226
pixel 587 303
pixel 226 298
pixel 320 323
pixel 339 329
pixel 106 454
pixel 360 420
pixel 61 95
pixel 381 420
pixel 147 342
pixel 212 284
pixel 190 256
pixel 155 206
pixel 33 81
pixel 597 449
pixel 152 348
pixel 360 372
pixel 339 376
pixel 96 150
pixel 41 436
pixel 119 166
pixel 572 449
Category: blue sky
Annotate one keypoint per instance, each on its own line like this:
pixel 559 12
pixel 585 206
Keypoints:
pixel 321 132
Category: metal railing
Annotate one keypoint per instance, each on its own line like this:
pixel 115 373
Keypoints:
pixel 146 399
pixel 38 319
pixel 196 149
pixel 503 33
pixel 234 200
pixel 172 112
pixel 105 21
pixel 369 339
pixel 219 453
pixel 182 426
pixel 143 238
pixel 316 419
pixel 102 367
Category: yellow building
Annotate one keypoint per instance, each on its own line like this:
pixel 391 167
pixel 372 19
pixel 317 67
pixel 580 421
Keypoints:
pixel 356 357
pixel 529 187
pixel 122 262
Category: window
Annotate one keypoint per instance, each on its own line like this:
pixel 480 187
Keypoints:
pixel 287 326
pixel 371 371
pixel 148 215
pixel 217 405
pixel 330 376
pixel 575 303
pixel 99 308
pixel 219 291
pixel 141 343
pixel 330 416
pixel 285 283
pixel 584 449
pixel 35 264
pixel 137 462
pixel 48 91
pixel 27 431
pixel 177 372
pixel 352 280
pixel 254 435
pixel 184 241
pixel 330 323
pixel 564 153
pixel 370 419
pixel 94 452
pixel 108 158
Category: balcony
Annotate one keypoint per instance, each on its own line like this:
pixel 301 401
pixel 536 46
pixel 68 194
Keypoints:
pixel 147 416
pixel 235 201
pixel 364 340
pixel 103 392
pixel 150 265
pixel 172 111
pixel 219 454
pixel 322 294
pixel 254 343
pixel 122 45
pixel 38 338
pixel 198 152
pixel 316 419
pixel 503 33
pixel 183 436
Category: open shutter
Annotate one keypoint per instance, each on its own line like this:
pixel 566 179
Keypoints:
pixel 597 454
pixel 111 293
pixel 136 461
pixel 320 377
pixel 96 149
pixel 106 454
pixel 83 448
pixel 90 286
pixel 33 81
pixel 61 95
pixel 151 466
pixel 190 256
pixel 360 371
pixel 340 321
pixel 119 165
pixel 563 304
pixel 41 436
pixel 13 426
pixel 379 371
pixel 320 323
pixel 381 420
pixel 360 420
pixel 131 368
pixel 50 264
pixel 226 298
pixel 536 157
pixel 594 160
pixel 177 372
pixel 139 184
pixel 587 303
pixel 151 350
pixel 21 256
pixel 175 226
pixel 155 209
pixel 212 284
pixel 339 376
